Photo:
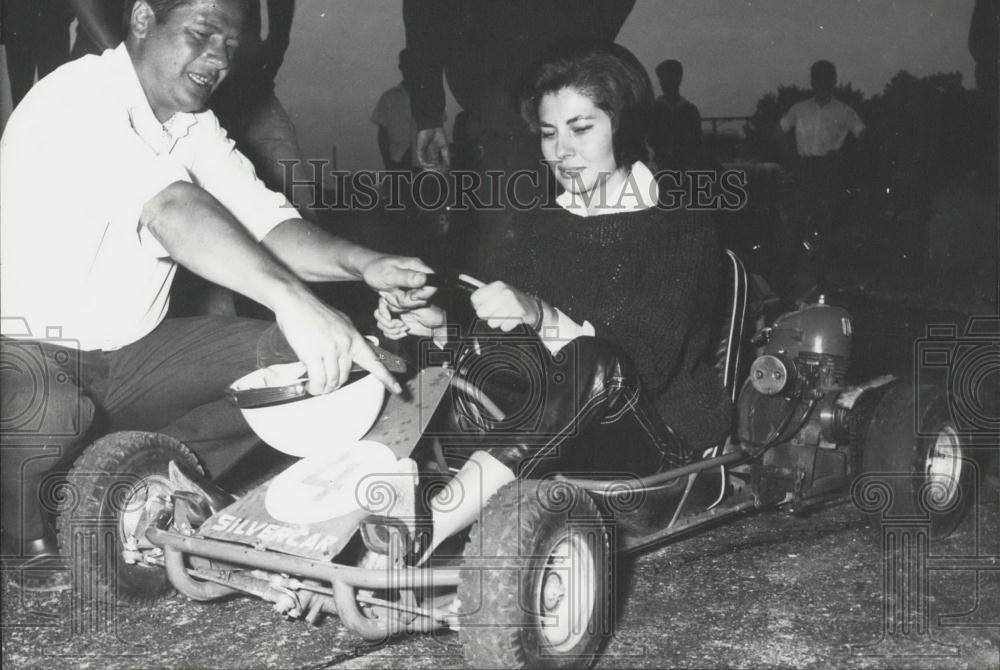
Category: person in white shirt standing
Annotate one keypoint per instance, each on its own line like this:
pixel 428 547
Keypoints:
pixel 144 178
pixel 821 124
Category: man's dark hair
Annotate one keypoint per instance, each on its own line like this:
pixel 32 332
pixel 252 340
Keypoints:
pixel 163 8
pixel 671 69
pixel 823 71
pixel 611 76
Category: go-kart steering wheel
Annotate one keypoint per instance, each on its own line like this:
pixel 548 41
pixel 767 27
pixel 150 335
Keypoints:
pixel 480 351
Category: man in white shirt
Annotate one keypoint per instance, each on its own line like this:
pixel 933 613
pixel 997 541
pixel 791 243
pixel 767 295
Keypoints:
pixel 822 122
pixel 821 125
pixel 112 173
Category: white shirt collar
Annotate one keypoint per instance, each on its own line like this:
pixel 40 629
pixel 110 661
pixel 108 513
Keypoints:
pixel 161 137
pixel 638 191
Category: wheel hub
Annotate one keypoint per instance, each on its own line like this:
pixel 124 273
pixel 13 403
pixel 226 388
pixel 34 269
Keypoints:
pixel 567 592
pixel 944 467
pixel 140 504
pixel 552 592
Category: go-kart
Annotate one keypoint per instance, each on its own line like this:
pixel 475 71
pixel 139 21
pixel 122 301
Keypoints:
pixel 531 582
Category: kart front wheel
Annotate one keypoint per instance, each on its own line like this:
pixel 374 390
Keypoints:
pixel 916 465
pixel 536 588
pixel 114 491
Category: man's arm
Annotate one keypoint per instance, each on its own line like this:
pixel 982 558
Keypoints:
pixel 692 130
pixel 201 234
pixel 383 146
pixel 315 255
pixel 854 123
pixel 96 19
pixel 781 141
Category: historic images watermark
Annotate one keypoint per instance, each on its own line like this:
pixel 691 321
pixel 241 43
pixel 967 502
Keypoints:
pixel 43 367
pixel 955 445
pixel 494 190
pixel 968 366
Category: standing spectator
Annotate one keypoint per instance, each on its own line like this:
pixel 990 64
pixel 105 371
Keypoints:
pixel 675 135
pixel 36 35
pixel 983 42
pixel 821 124
pixel 396 128
pixel 483 47
pixel 984 38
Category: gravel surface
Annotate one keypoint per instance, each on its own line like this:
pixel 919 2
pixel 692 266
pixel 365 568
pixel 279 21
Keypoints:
pixel 765 590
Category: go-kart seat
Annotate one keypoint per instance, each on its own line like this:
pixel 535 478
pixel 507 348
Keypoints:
pixel 731 321
pixel 728 359
pixel 728 362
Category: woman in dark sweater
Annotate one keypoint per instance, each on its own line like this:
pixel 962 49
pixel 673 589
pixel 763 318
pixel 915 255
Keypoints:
pixel 620 291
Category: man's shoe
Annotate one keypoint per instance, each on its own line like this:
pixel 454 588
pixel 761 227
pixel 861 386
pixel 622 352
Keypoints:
pixel 40 567
pixel 42 578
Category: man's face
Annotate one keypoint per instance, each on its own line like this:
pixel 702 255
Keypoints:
pixel 181 59
pixel 670 79
pixel 824 82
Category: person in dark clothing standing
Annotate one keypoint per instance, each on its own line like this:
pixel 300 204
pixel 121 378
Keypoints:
pixel 984 44
pixel 36 35
pixel 103 25
pixel 675 135
pixel 482 47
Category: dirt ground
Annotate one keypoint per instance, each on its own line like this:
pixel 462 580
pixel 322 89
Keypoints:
pixel 766 590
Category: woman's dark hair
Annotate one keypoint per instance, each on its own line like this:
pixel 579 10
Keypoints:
pixel 611 76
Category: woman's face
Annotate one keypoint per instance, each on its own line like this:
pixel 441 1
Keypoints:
pixel 576 140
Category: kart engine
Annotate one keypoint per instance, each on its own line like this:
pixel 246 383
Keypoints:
pixel 796 413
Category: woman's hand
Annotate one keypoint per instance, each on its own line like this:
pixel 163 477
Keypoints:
pixel 505 307
pixel 420 322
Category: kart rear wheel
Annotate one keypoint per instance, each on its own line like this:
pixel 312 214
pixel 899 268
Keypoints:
pixel 915 463
pixel 114 491
pixel 537 580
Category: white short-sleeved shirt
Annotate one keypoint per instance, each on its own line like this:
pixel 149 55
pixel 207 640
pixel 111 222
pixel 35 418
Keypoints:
pixel 80 157
pixel 821 129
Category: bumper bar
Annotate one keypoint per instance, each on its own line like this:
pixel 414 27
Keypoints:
pixel 406 578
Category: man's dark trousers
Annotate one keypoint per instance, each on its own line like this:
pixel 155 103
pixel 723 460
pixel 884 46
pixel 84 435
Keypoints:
pixel 55 400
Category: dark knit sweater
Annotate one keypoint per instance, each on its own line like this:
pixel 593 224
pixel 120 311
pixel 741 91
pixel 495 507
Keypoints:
pixel 647 280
